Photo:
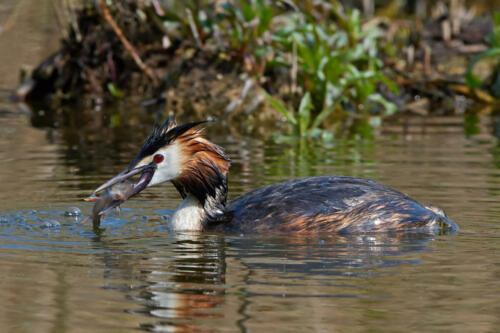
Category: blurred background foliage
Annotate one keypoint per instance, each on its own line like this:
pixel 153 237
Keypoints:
pixel 326 67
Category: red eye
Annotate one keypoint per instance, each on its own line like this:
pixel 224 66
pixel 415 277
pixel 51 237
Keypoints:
pixel 158 158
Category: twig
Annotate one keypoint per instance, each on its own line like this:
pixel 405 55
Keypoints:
pixel 129 47
pixel 158 9
pixel 427 60
pixel 192 25
pixel 71 14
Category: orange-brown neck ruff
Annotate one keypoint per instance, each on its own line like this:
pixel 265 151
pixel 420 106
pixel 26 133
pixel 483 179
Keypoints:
pixel 204 173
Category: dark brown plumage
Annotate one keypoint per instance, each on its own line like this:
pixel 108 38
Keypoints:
pixel 328 204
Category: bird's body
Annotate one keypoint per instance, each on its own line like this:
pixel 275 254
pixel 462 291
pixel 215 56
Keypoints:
pixel 198 169
pixel 327 204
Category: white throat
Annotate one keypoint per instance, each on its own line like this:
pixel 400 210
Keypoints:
pixel 189 215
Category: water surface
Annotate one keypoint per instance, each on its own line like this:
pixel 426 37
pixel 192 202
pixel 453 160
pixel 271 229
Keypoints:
pixel 58 275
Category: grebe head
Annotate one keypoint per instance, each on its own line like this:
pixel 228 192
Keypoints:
pixel 197 167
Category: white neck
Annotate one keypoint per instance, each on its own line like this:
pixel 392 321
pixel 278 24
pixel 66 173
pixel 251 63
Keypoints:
pixel 189 215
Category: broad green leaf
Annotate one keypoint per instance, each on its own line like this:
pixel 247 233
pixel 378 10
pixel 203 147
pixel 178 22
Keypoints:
pixel 265 14
pixel 389 107
pixel 365 88
pixel 115 120
pixel 353 70
pixel 322 115
pixel 388 82
pixel 354 24
pixel 305 113
pixel 305 55
pixel 247 11
pixel 494 38
pixel 320 72
pixel 114 90
pixel 278 106
pixel 496 19
pixel 472 80
pixel 495 52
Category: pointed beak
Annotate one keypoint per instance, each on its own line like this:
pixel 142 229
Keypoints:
pixel 146 171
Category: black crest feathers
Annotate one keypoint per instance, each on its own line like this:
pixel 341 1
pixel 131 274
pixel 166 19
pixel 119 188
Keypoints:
pixel 161 136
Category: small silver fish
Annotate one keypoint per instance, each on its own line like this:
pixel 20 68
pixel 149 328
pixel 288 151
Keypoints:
pixel 118 192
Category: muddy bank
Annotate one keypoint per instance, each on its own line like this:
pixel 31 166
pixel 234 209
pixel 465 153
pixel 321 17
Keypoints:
pixel 130 49
pixel 93 62
pixel 233 98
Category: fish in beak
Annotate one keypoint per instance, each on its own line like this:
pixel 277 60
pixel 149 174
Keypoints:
pixel 114 196
pixel 119 189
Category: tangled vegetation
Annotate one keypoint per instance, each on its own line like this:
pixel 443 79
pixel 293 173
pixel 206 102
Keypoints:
pixel 321 65
pixel 332 63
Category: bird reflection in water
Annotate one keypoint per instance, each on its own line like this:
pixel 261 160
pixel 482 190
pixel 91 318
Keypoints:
pixel 197 279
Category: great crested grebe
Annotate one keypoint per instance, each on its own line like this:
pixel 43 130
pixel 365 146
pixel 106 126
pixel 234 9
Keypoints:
pixel 198 169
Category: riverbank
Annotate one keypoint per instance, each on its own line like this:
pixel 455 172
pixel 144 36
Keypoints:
pixel 222 61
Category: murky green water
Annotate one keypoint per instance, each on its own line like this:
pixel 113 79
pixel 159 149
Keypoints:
pixel 58 276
